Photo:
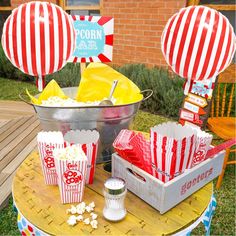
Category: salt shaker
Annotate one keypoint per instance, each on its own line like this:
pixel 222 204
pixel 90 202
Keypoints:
pixel 114 193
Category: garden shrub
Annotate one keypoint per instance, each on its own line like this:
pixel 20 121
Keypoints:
pixel 68 76
pixel 167 88
pixel 7 70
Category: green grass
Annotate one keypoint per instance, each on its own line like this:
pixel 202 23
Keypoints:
pixel 223 222
pixel 10 89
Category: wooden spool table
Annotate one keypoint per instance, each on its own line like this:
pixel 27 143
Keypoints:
pixel 40 205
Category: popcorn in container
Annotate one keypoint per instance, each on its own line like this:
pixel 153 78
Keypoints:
pixel 172 149
pixel 88 140
pixel 47 142
pixel 71 168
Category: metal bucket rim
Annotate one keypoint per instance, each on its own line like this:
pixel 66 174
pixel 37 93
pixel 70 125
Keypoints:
pixel 93 107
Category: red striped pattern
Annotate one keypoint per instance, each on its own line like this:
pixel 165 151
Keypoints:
pixel 198 42
pixel 71 192
pixel 88 141
pixel 50 176
pixel 90 150
pixel 38 38
pixel 170 157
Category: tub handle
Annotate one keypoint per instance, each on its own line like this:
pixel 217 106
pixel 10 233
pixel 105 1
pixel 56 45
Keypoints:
pixel 149 93
pixel 21 96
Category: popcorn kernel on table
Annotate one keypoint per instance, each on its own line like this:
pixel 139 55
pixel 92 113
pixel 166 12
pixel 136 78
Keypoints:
pixel 94 224
pixel 72 220
pixel 87 221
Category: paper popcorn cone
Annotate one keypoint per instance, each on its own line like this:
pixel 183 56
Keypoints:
pixel 47 142
pixel 172 149
pixel 134 148
pixel 203 142
pixel 71 168
pixel 89 142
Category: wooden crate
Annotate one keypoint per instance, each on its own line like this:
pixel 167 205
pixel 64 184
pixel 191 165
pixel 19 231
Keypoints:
pixel 164 196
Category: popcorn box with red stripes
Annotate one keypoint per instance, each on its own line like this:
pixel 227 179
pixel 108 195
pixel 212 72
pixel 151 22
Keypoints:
pixel 164 196
pixel 71 179
pixel 88 140
pixel 47 142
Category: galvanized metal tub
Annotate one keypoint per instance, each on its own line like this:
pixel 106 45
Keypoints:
pixel 107 120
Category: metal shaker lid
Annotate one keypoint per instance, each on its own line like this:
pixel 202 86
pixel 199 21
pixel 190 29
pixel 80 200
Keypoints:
pixel 114 186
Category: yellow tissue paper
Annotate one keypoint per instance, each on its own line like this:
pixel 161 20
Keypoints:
pixel 96 82
pixel 52 89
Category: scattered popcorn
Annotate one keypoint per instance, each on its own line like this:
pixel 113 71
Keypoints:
pixel 92 204
pixel 56 101
pixel 72 210
pixel 88 209
pixel 81 208
pixel 80 211
pixel 72 220
pixel 87 221
pixel 79 218
pixel 73 152
pixel 93 216
pixel 94 224
pixel 82 205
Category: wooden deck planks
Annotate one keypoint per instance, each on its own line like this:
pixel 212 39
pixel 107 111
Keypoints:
pixel 18 130
pixel 13 109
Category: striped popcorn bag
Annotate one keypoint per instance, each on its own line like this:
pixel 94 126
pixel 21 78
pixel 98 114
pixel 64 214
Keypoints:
pixel 88 140
pixel 172 149
pixel 71 168
pixel 47 142
pixel 203 142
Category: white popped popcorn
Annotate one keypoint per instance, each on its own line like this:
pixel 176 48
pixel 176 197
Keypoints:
pixel 55 101
pixel 94 224
pixel 93 216
pixel 72 210
pixel 73 152
pixel 82 204
pixel 72 220
pixel 81 208
pixel 79 218
pixel 87 221
pixel 88 209
pixel 92 204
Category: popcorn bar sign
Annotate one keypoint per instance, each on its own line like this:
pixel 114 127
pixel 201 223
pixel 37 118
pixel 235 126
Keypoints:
pixel 94 39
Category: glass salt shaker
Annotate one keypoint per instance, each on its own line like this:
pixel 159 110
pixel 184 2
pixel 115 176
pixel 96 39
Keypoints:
pixel 114 193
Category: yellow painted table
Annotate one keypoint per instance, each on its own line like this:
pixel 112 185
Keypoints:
pixel 39 205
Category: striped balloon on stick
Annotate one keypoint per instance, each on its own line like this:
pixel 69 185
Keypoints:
pixel 198 43
pixel 38 38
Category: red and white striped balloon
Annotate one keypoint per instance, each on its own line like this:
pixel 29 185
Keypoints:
pixel 38 38
pixel 198 42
